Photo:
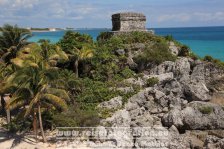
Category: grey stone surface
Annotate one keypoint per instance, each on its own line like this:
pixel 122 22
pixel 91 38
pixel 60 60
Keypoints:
pixel 196 116
pixel 173 48
pixel 213 142
pixel 196 92
pixel 120 118
pixel 125 89
pixel 114 103
pixel 120 52
pixel 135 81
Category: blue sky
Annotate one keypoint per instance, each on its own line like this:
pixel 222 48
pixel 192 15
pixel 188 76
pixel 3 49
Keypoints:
pixel 97 13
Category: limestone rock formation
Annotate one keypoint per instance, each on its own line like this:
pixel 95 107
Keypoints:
pixel 114 103
pixel 179 103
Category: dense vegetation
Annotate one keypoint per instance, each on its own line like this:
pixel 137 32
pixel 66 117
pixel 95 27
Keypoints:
pixel 63 83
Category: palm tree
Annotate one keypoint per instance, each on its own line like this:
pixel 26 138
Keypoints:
pixel 78 47
pixel 32 90
pixel 80 55
pixel 30 86
pixel 12 39
pixel 4 72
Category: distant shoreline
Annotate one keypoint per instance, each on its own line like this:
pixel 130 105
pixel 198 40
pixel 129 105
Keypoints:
pixel 45 30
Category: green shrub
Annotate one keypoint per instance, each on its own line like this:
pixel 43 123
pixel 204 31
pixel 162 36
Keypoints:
pixel 219 63
pixel 103 36
pixel 206 109
pixel 76 117
pixel 19 125
pixel 105 113
pixel 193 56
pixel 208 58
pixel 154 55
pixel 169 38
pixel 152 81
pixel 124 74
pixel 129 38
pixel 184 51
pixel 94 92
pixel 127 73
pixel 73 40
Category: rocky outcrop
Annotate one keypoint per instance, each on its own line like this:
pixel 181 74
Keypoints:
pixel 173 48
pixel 213 142
pixel 178 107
pixel 178 103
pixel 114 103
pixel 196 92
pixel 196 116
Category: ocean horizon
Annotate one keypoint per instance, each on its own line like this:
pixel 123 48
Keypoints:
pixel 202 40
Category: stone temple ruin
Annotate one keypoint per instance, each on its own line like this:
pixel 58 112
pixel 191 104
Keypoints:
pixel 128 21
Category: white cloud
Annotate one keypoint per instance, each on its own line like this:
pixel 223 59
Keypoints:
pixel 23 3
pixel 66 11
pixel 186 17
pixel 174 17
pixel 83 9
pixel 3 2
pixel 76 18
pixel 217 16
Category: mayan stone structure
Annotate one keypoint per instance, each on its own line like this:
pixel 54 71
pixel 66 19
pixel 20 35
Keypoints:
pixel 128 21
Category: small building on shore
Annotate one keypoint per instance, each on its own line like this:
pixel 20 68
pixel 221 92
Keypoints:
pixel 52 29
pixel 128 21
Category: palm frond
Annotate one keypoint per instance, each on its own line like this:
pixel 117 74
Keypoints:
pixel 56 101
pixel 15 102
pixel 31 104
pixel 18 62
pixel 59 92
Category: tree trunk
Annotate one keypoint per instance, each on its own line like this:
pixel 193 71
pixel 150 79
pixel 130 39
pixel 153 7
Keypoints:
pixel 76 67
pixel 8 115
pixel 2 104
pixel 35 124
pixel 7 102
pixel 41 125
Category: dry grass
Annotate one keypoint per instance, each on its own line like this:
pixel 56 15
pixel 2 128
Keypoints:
pixel 218 98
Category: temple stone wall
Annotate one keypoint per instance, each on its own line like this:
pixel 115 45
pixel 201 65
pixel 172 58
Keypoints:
pixel 128 21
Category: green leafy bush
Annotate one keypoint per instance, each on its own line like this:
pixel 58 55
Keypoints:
pixel 94 92
pixel 193 56
pixel 103 36
pixel 154 55
pixel 184 51
pixel 206 109
pixel 169 38
pixel 152 81
pixel 76 117
pixel 127 73
pixel 19 125
pixel 208 58
pixel 130 37
pixel 74 39
pixel 216 62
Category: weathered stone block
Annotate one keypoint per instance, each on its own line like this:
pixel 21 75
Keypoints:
pixel 128 21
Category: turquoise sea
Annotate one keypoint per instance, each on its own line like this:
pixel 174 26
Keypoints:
pixel 202 40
